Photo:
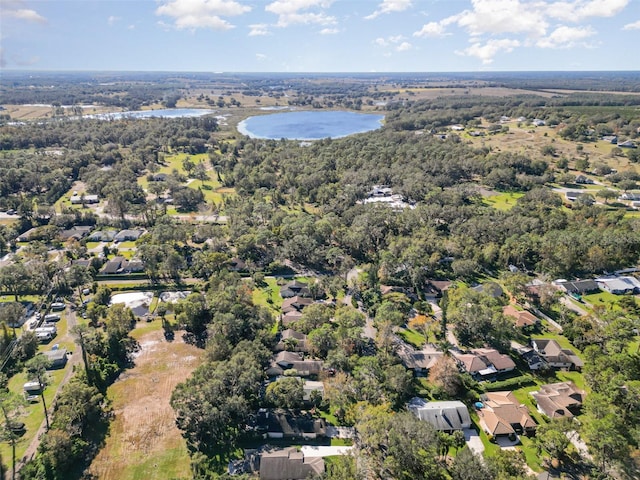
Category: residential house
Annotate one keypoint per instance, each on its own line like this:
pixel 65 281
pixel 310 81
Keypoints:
pixel 76 232
pixel 284 361
pixel 555 356
pixel 57 358
pixel 444 416
pixel 295 288
pixel 82 262
pixel 120 264
pixel 533 358
pixel 102 236
pixel 83 199
pixel 433 289
pixel 128 235
pixel 502 414
pixel 290 317
pixel 523 318
pixel 289 464
pixel 292 341
pixel 381 191
pixel 237 265
pixel 619 285
pixel 627 144
pixel 484 363
pixel 583 180
pixel 419 361
pixel 578 287
pixel 629 196
pixel 557 400
pixel 289 424
pixel 572 195
pixel 610 139
pixel 29 235
pixel 538 123
pixel 311 386
pixel 295 303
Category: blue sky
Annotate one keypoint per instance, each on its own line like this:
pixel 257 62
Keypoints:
pixel 320 35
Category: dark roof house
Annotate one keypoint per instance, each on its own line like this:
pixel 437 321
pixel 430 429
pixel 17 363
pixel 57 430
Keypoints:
pixel 295 303
pixel 419 361
pixel 444 416
pixel 289 424
pixel 295 288
pixel 292 341
pixel 76 232
pixel 293 361
pixel 289 464
pixel 579 287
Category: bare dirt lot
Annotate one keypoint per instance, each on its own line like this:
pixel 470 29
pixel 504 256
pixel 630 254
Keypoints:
pixel 143 441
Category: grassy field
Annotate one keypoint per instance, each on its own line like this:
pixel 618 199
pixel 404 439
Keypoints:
pixel 269 295
pixel 211 188
pixel 605 299
pixel 144 442
pixel 412 337
pixel 503 201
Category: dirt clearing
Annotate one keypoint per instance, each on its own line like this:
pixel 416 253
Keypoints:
pixel 143 441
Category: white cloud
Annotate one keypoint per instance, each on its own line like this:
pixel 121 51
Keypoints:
pixel 431 29
pixel 19 10
pixel 329 31
pixel 398 42
pixel 489 50
pixel 112 20
pixel 293 12
pixel 565 37
pixel 390 6
pixel 261 57
pixel 258 29
pixel 193 14
pixel 632 26
pixel 493 25
pixel 501 16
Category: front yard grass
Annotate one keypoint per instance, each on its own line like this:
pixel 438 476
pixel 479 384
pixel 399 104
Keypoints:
pixel 268 295
pixel 606 299
pixel 412 337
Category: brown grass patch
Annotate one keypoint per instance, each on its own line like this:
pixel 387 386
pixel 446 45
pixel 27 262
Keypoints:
pixel 143 441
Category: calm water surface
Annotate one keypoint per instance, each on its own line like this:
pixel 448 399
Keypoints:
pixel 309 125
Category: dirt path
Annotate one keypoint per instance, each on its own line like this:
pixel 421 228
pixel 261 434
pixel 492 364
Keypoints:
pixel 143 440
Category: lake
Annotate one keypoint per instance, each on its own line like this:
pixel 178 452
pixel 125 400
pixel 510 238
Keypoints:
pixel 309 125
pixel 163 112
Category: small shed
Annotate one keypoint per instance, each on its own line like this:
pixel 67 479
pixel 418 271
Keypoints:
pixel 57 358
